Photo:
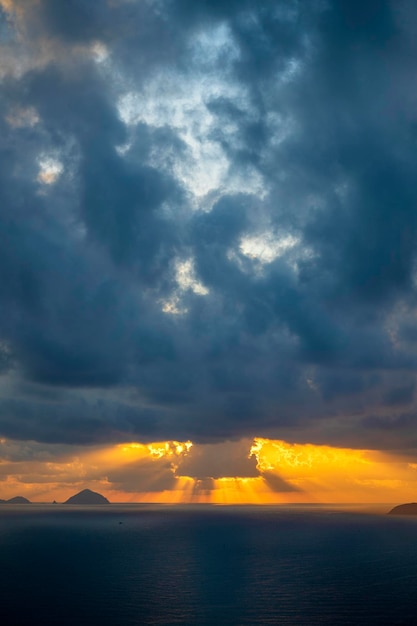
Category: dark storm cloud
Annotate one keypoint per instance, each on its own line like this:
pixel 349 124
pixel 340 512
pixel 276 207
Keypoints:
pixel 208 221
pixel 144 476
pixel 218 460
pixel 278 484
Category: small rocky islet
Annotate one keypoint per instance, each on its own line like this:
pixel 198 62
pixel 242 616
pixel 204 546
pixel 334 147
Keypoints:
pixel 86 496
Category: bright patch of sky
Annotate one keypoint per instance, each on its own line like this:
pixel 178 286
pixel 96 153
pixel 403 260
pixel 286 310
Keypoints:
pixel 265 247
pixel 186 278
pixel 50 169
pixel 187 281
pixel 258 249
pixel 180 102
pixel 99 52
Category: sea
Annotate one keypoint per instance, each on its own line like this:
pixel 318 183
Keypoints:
pixel 206 565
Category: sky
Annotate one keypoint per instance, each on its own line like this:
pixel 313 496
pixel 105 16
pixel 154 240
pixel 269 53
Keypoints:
pixel 208 237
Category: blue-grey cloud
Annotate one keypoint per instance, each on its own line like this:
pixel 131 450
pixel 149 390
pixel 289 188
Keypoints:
pixel 208 221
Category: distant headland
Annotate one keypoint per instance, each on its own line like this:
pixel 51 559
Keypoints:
pixel 86 496
pixel 16 500
pixel 404 509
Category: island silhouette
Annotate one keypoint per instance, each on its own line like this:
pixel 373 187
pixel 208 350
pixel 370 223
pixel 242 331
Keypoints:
pixel 410 508
pixel 86 496
pixel 16 500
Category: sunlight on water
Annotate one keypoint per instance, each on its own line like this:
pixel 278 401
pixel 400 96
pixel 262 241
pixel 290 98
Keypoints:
pixel 191 565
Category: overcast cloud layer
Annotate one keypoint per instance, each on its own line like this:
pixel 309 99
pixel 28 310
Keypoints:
pixel 208 221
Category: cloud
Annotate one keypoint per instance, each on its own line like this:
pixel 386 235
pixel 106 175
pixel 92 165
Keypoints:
pixel 142 476
pixel 208 224
pixel 219 460
pixel 278 484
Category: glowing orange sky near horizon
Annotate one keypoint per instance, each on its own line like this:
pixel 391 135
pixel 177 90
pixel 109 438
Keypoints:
pixel 283 473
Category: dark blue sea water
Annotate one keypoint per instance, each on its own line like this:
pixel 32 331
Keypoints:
pixel 205 565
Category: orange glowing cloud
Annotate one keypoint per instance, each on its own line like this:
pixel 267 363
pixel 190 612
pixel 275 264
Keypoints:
pixel 259 471
pixel 328 474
